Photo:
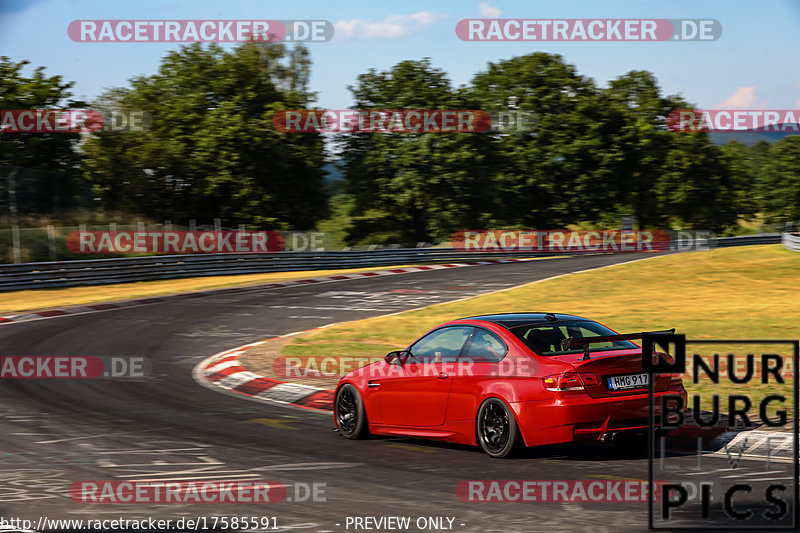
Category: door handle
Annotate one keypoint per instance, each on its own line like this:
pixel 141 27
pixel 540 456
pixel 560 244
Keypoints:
pixel 442 375
pixel 373 384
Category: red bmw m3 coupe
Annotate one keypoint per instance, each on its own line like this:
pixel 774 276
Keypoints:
pixel 504 381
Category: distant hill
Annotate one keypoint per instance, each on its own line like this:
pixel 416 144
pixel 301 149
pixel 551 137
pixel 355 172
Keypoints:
pixel 334 179
pixel 748 137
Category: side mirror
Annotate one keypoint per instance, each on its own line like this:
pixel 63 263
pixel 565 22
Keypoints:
pixel 396 358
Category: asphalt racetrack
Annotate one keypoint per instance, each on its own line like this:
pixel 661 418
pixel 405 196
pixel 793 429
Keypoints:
pixel 168 427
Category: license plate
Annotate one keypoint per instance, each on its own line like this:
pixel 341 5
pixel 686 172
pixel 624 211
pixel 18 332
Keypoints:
pixel 631 381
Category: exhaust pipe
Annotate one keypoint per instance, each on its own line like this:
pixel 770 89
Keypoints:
pixel 608 437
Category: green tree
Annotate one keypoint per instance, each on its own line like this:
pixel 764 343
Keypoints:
pixel 757 157
pixel 745 165
pixel 553 175
pixel 638 140
pixel 211 150
pixel 42 151
pixel 413 187
pixel 694 187
pixel 781 181
pixel 667 178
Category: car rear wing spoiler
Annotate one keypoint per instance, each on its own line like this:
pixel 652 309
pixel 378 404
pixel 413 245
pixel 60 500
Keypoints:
pixel 585 342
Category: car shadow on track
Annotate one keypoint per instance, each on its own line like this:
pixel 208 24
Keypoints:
pixel 577 451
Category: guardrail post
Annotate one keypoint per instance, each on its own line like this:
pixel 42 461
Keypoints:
pixel 15 243
pixel 51 241
pixel 791 242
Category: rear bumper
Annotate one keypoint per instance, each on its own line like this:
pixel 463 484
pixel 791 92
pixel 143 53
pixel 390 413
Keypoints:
pixel 576 416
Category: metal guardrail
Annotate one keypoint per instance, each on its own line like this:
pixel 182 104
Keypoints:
pixel 746 240
pixel 791 241
pixel 130 269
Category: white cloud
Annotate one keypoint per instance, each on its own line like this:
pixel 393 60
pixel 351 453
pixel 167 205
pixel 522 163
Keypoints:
pixel 488 11
pixel 743 98
pixel 389 28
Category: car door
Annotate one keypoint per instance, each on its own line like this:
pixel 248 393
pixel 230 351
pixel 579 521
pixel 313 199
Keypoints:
pixel 416 393
pixel 479 361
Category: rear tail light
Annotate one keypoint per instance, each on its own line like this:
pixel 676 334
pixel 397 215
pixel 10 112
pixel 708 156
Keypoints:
pixel 567 381
pixel 675 379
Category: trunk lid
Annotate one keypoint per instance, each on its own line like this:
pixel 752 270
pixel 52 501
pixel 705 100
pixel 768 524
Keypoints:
pixel 609 364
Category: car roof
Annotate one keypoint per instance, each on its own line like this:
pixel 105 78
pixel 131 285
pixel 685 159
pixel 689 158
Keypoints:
pixel 510 320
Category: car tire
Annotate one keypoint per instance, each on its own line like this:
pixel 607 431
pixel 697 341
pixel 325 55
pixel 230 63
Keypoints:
pixel 496 429
pixel 351 418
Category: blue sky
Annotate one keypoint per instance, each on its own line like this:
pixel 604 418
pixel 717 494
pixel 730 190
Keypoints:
pixel 754 65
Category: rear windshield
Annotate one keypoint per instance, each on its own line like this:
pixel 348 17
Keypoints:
pixel 545 338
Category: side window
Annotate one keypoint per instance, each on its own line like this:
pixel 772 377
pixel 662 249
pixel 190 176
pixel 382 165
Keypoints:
pixel 441 345
pixel 485 346
pixel 545 339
